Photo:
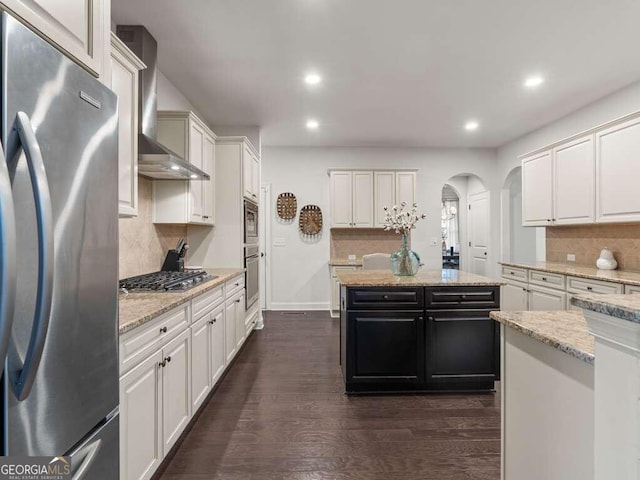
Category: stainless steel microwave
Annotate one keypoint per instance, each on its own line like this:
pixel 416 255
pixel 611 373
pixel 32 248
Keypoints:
pixel 250 222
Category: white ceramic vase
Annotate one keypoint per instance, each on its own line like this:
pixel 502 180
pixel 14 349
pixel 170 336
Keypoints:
pixel 606 261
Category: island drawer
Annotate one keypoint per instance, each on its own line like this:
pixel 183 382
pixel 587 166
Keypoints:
pixel 382 298
pixel 463 297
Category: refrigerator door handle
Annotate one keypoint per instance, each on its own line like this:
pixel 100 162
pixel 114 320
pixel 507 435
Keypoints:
pixel 8 265
pixel 92 453
pixel 23 377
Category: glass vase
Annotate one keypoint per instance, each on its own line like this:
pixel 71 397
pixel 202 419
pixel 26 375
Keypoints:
pixel 405 262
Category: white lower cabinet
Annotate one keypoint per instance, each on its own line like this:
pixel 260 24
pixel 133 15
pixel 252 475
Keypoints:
pixel 230 345
pixel 546 299
pixel 216 340
pixel 176 388
pixel 140 415
pixel 200 361
pixel 241 333
pixel 514 297
pixel 335 288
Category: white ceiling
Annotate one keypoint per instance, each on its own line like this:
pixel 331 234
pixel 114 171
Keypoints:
pixel 396 72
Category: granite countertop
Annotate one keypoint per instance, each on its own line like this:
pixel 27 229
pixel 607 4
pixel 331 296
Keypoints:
pixel 428 278
pixel 618 276
pixel 344 262
pixel 564 330
pixel 138 308
pixel 625 307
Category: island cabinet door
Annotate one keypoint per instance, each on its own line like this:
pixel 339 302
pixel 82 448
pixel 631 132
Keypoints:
pixel 462 349
pixel 385 347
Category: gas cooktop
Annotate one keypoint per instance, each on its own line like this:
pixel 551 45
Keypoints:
pixel 165 281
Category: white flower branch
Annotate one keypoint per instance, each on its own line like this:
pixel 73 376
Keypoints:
pixel 399 221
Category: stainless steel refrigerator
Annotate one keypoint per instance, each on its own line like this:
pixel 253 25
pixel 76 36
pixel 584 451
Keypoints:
pixel 58 239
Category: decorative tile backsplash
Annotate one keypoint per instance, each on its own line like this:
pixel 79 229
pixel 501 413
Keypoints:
pixel 586 241
pixel 361 241
pixel 144 245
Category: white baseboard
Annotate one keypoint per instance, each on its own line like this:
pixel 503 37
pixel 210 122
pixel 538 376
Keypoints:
pixel 299 306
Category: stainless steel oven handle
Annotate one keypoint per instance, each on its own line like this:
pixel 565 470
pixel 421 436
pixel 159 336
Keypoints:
pixel 23 375
pixel 8 268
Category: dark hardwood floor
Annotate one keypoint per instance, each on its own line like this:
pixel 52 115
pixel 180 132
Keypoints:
pixel 280 414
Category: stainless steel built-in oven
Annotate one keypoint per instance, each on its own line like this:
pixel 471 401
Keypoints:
pixel 250 222
pixel 252 277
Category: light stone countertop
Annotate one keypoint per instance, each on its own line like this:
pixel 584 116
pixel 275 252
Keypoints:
pixel 137 308
pixel 564 330
pixel 625 307
pixel 618 276
pixel 424 278
pixel 344 262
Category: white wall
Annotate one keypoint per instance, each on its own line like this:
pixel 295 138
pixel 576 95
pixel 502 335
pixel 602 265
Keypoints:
pixel 170 98
pixel 299 269
pixel 251 132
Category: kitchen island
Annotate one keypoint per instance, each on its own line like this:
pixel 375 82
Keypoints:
pixel 428 332
pixel 547 395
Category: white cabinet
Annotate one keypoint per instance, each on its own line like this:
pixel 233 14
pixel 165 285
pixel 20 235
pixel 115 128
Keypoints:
pixel 392 188
pixel 617 172
pixel 176 388
pixel 351 199
pixel 216 340
pixel 537 190
pixel 574 182
pixel 140 416
pixel 546 299
pixel 186 202
pixel 201 355
pixel 514 297
pixel 241 333
pixel 250 174
pixel 79 27
pixel 124 82
pixel 335 288
pixel 230 344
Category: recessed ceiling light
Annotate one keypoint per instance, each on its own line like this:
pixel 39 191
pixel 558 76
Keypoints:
pixel 471 126
pixel 193 175
pixel 312 79
pixel 312 124
pixel 175 167
pixel 534 81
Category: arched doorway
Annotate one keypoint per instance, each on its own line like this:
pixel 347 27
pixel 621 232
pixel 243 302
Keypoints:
pixel 519 244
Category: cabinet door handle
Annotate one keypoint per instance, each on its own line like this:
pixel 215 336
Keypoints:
pixel 385 297
pixel 238 301
pixel 168 358
pixel 162 364
pixel 213 320
pixel 163 330
pixel 420 319
pixel 524 289
pixel 512 273
pixel 431 319
pixel 237 284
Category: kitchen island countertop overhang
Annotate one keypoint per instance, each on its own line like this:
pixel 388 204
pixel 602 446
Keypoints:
pixel 424 278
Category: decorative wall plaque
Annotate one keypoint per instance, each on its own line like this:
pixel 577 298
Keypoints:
pixel 287 206
pixel 310 220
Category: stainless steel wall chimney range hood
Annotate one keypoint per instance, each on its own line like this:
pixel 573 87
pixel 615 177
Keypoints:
pixel 154 159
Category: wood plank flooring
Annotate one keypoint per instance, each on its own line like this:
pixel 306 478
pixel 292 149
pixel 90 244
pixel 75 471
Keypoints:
pixel 280 414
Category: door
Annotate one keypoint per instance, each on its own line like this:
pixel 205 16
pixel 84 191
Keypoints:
pixel 514 297
pixel 176 388
pixel 196 157
pixel 200 361
pixel 574 177
pixel 617 173
pixel 537 190
pixel 240 317
pixel 385 195
pixel 216 332
pixel 462 345
pixel 230 329
pixel 78 191
pixel 141 417
pixel 97 457
pixel 341 199
pixel 385 347
pixel 208 196
pixel 543 299
pixel 363 199
pixel 479 221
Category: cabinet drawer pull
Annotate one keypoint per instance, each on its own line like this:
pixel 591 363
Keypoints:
pixel 237 284
pixel 589 288
pixel 463 296
pixel 163 330
pixel 212 321
pixel 512 273
pixel 544 279
pixel 385 297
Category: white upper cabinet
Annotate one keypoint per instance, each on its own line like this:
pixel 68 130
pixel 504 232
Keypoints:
pixel 405 188
pixel 537 189
pixel 124 82
pixel 188 202
pixel 250 174
pixel 384 186
pixel 79 27
pixel 362 199
pixel 574 182
pixel 341 199
pixel 618 171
